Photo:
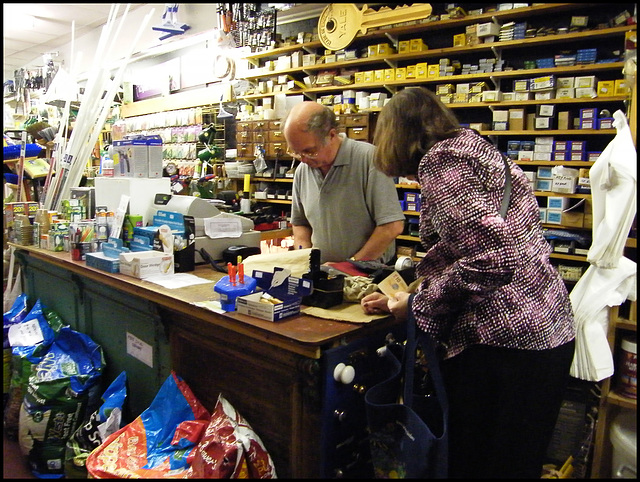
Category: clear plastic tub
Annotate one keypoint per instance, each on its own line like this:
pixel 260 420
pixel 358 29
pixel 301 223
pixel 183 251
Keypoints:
pixel 624 440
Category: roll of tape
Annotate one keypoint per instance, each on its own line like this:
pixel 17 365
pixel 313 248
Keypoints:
pixel 403 262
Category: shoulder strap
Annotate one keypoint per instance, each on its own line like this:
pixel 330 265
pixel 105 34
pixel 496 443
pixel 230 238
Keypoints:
pixel 507 189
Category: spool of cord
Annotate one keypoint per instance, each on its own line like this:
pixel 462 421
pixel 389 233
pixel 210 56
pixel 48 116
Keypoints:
pixel 403 262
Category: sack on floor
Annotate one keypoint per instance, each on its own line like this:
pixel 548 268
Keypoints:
pixel 230 449
pixel 100 424
pixel 64 384
pixel 18 311
pixel 30 339
pixel 157 444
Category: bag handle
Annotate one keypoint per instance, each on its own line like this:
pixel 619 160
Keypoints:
pixel 415 337
pixel 507 189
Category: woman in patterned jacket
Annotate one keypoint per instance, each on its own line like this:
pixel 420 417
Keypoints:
pixel 489 296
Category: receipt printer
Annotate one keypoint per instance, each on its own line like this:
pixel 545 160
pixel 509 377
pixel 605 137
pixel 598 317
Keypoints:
pixel 215 230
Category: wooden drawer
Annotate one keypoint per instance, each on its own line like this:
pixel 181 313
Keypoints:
pixel 359 133
pixel 260 126
pixel 357 120
pixel 244 149
pixel 275 136
pixel 259 137
pixel 276 125
pixel 276 149
pixel 244 136
pixel 244 126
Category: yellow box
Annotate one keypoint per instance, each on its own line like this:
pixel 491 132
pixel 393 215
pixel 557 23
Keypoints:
pixel 606 88
pixel 368 76
pixel 461 98
pixel 372 50
pixel 404 46
pixel 401 73
pixel 620 87
pixel 433 71
pixel 359 77
pixel 460 40
pixel 442 89
pixel 385 49
pixel 411 72
pixel 417 45
pixel 421 70
pixel 389 74
pixel 378 75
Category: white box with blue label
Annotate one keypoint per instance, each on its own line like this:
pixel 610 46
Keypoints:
pixel 289 292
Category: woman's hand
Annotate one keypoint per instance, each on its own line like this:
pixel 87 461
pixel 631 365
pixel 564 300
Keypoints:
pixel 375 304
pixel 398 305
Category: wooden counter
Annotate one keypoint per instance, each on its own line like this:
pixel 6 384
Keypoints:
pixel 278 375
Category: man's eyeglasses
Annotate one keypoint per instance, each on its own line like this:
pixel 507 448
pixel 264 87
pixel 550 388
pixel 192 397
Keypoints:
pixel 308 155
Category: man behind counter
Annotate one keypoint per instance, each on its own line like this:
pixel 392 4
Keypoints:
pixel 341 204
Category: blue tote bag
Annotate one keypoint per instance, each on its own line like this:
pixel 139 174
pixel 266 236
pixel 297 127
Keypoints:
pixel 408 428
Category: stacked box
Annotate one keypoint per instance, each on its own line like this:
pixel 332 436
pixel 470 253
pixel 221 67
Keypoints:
pixel 412 201
pixel 588 118
pixel 500 120
pixel 565 179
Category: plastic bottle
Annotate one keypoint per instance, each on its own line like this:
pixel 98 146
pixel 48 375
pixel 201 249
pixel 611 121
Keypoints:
pixel 41 224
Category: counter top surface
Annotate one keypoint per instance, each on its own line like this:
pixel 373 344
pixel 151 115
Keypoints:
pixel 302 333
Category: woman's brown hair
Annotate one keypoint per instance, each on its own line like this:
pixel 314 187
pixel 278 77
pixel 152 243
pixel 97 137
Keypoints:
pixel 411 122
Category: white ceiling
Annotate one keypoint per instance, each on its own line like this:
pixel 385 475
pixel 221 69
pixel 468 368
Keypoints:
pixel 51 28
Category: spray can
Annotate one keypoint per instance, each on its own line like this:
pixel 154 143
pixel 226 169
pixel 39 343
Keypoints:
pixel 131 221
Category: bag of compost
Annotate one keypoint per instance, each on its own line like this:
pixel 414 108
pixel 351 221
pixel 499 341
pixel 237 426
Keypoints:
pixel 101 423
pixel 65 382
pixel 29 339
pixel 19 310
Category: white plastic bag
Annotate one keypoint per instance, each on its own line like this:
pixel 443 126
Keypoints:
pixel 14 283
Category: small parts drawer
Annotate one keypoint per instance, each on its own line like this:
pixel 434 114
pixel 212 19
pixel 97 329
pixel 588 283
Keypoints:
pixel 357 120
pixel 276 149
pixel 359 133
pixel 275 136
pixel 244 149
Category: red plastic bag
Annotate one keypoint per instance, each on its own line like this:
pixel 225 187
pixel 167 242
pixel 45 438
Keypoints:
pixel 230 449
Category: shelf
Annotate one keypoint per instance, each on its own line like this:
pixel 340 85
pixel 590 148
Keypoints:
pixel 620 401
pixel 572 257
pixel 562 194
pixel 521 103
pixel 426 26
pixel 180 100
pixel 276 234
pixel 272 179
pixel 392 85
pixel 550 132
pixel 405 237
pixel 556 163
pixel 272 201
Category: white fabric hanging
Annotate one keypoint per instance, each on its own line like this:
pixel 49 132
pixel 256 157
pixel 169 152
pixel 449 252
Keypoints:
pixel 611 278
pixel 613 179
pixel 592 296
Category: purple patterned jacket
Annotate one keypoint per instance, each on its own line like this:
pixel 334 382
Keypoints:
pixel 487 280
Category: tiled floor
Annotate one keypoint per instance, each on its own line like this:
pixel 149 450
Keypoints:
pixel 14 464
